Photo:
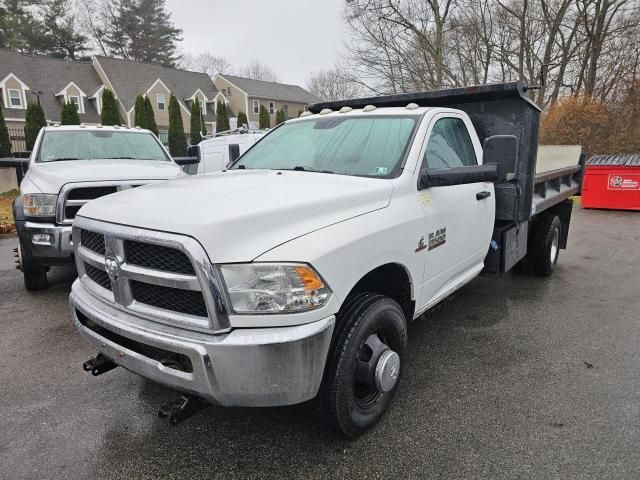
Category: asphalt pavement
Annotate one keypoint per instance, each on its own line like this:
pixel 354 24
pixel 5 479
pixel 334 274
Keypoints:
pixel 516 377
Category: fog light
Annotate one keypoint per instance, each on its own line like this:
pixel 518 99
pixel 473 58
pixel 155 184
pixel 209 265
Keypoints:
pixel 42 238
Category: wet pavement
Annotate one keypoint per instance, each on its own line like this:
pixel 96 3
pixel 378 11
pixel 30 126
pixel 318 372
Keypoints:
pixel 517 377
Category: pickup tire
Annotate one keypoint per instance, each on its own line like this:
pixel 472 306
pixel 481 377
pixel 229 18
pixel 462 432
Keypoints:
pixel 35 274
pixel 545 247
pixel 365 361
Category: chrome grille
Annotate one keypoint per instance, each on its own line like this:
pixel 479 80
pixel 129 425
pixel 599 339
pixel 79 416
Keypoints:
pixel 183 301
pixel 157 257
pixel 74 195
pixel 156 275
pixel 93 241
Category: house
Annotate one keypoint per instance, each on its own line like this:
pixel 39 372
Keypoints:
pixel 246 95
pixel 25 78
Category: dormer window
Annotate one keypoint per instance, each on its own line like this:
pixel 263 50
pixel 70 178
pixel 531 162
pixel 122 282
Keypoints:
pixel 15 98
pixel 76 101
pixel 160 102
pixel 74 94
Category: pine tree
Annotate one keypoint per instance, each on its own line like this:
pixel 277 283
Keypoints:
pixel 151 117
pixel 263 117
pixel 196 123
pixel 142 30
pixel 242 119
pixel 69 114
pixel 34 121
pixel 110 115
pixel 5 140
pixel 280 116
pixel 222 117
pixel 177 139
pixel 140 113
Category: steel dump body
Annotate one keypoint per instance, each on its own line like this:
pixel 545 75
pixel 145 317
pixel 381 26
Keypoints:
pixel 504 109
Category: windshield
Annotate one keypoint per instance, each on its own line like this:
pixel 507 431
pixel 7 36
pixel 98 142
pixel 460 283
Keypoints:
pixel 361 146
pixel 99 144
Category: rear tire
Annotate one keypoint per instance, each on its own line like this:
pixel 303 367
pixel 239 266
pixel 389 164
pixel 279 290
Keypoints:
pixel 364 363
pixel 546 245
pixel 35 274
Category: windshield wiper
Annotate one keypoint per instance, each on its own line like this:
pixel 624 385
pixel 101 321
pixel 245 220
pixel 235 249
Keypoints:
pixel 63 159
pixel 300 168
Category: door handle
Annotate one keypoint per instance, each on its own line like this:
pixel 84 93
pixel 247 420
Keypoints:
pixel 482 195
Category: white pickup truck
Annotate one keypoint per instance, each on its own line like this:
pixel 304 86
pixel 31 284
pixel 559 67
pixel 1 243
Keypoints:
pixel 295 272
pixel 70 166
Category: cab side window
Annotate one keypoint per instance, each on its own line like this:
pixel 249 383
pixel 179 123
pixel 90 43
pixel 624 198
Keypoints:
pixel 449 146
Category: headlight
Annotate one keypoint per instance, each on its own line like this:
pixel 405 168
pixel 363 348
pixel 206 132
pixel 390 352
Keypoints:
pixel 39 204
pixel 268 287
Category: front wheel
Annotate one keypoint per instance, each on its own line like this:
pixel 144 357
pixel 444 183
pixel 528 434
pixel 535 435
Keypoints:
pixel 365 362
pixel 35 274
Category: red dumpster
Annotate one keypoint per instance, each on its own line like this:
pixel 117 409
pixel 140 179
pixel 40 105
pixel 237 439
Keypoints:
pixel 612 181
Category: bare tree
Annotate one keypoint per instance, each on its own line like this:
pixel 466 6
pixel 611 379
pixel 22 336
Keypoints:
pixel 331 84
pixel 206 63
pixel 259 71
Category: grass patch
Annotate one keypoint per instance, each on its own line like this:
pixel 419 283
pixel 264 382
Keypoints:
pixel 6 215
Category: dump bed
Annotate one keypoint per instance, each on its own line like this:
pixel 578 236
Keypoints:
pixel 558 175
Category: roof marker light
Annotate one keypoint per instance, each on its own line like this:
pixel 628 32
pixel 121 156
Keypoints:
pixel 116 126
pixel 99 125
pixel 345 109
pixel 305 114
pixel 369 108
pixel 56 124
pixel 412 106
pixel 324 111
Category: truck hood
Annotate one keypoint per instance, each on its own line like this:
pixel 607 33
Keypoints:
pixel 238 215
pixel 51 177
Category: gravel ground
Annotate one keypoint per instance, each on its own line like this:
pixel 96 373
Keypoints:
pixel 517 377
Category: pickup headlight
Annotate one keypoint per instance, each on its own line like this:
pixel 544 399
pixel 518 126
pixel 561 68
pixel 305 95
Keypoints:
pixel 273 288
pixel 39 204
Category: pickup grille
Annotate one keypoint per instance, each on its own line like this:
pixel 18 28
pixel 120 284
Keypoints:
pixel 74 196
pixel 157 257
pixel 153 274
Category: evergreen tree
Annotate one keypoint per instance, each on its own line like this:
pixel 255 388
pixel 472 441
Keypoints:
pixel 34 121
pixel 63 38
pixel 142 30
pixel 242 119
pixel 196 123
pixel 69 115
pixel 177 139
pixel 222 117
pixel 5 140
pixel 110 115
pixel 280 116
pixel 150 116
pixel 140 113
pixel 263 117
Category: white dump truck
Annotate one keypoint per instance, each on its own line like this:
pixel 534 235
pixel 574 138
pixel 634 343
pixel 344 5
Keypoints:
pixel 296 271
pixel 68 167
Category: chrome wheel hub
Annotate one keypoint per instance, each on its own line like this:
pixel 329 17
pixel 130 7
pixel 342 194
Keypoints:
pixel 387 371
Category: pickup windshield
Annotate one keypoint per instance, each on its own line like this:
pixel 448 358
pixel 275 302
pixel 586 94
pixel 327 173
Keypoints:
pixel 362 146
pixel 99 144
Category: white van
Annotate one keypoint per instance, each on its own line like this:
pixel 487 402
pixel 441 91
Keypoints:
pixel 218 152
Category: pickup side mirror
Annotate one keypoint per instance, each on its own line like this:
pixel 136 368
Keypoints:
pixel 458 175
pixel 503 151
pixel 194 156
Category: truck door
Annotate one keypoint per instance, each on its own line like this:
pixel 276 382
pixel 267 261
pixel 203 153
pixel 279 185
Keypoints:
pixel 458 218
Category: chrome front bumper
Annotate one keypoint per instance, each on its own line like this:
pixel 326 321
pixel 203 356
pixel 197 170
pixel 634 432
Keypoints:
pixel 246 367
pixel 59 245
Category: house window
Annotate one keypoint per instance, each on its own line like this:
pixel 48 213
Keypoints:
pixel 306 107
pixel 15 98
pixel 285 109
pixel 160 102
pixel 256 107
pixel 76 101
pixel 203 106
pixel 228 91
pixel 272 107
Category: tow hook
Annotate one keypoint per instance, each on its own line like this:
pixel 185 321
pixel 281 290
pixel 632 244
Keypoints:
pixel 98 365
pixel 184 407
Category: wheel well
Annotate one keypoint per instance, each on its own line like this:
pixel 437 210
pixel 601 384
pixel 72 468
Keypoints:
pixel 391 280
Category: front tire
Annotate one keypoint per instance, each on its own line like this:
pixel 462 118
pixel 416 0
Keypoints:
pixel 365 362
pixel 35 274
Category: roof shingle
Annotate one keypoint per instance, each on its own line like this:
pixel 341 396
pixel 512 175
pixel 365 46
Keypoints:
pixel 271 90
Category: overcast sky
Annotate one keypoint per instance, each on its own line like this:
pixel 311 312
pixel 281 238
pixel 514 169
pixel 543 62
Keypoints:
pixel 293 37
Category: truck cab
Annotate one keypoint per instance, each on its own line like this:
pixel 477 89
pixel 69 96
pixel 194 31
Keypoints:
pixel 296 271
pixel 69 167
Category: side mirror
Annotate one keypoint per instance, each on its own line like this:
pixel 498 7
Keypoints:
pixel 194 151
pixel 503 151
pixel 458 175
